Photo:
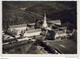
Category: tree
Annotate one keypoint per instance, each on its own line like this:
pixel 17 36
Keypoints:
pixel 50 35
pixel 74 36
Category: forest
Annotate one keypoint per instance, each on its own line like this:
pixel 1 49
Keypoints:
pixel 12 14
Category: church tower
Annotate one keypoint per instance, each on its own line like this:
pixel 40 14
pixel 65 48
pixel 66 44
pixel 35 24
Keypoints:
pixel 44 22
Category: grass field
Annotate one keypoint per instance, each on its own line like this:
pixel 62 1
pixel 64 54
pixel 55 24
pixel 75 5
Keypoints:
pixel 64 46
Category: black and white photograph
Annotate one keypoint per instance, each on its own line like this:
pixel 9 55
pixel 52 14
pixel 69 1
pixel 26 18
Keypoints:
pixel 39 27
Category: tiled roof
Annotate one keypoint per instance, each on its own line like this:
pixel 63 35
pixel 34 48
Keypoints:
pixel 31 24
pixel 15 26
pixel 54 21
pixel 33 30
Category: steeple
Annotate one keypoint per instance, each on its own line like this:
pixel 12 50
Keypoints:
pixel 44 22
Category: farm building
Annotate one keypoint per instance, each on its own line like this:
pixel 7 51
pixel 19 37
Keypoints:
pixel 15 30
